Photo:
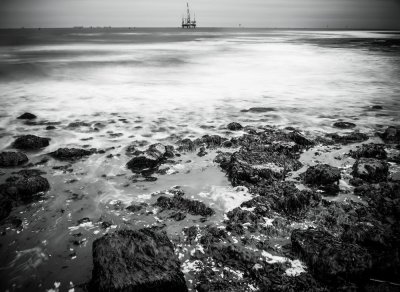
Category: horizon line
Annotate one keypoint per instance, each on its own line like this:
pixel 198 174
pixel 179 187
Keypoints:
pixel 203 27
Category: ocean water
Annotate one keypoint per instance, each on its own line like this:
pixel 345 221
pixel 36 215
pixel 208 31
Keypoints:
pixel 140 86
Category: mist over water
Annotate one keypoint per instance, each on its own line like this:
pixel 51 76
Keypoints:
pixel 143 86
pixel 199 76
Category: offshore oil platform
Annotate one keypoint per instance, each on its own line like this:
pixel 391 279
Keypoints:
pixel 187 22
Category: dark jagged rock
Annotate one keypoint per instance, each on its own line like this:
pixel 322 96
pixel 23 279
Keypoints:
pixel 50 128
pixel 329 259
pixel 223 159
pixel 383 197
pixel 24 188
pixel 258 166
pixel 344 125
pixel 71 153
pixel 178 203
pixel 299 139
pixel 369 151
pixel 234 126
pixel 31 142
pixel 324 176
pixel 136 208
pixel 212 235
pixel 151 159
pixel 27 116
pixel 191 233
pixel 142 260
pixel 12 159
pixel 241 216
pixel 354 137
pixel 283 197
pixel 391 135
pixel 211 141
pixel 178 216
pixel 186 145
pixel 371 170
pixel 202 152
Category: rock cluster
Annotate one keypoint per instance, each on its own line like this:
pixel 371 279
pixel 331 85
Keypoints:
pixel 141 260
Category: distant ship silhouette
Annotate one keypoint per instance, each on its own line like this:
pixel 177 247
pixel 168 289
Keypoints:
pixel 187 22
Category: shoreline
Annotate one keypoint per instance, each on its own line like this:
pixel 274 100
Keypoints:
pixel 251 232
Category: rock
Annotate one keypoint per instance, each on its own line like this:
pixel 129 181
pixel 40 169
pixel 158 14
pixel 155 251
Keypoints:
pixel 31 142
pixel 27 116
pixel 178 216
pixel 324 176
pixel 391 135
pixel 384 198
pixel 149 160
pixel 259 109
pixel 234 126
pixel 258 166
pixel 202 152
pixel 12 159
pixel 136 208
pixel 211 141
pixel 70 153
pixel 142 260
pixel 329 259
pixel 22 188
pixel 223 159
pixel 178 203
pixel 354 137
pixel 371 170
pixel 78 124
pixel 186 145
pixel 282 197
pixel 369 151
pixel 50 128
pixel 377 107
pixel 299 139
pixel 344 125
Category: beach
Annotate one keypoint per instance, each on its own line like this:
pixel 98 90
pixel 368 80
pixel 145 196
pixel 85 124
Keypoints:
pixel 250 148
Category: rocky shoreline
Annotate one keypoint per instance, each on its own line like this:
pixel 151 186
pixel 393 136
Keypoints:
pixel 286 230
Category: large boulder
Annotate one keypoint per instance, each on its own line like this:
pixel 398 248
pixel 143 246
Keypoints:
pixel 12 159
pixel 24 188
pixel 142 260
pixel 329 259
pixel 151 159
pixel 371 170
pixel 324 176
pixel 250 166
pixel 391 135
pixel 283 197
pixel 369 151
pixel 31 142
pixel 70 153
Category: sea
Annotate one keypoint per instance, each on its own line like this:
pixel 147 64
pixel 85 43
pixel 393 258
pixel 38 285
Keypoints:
pixel 138 86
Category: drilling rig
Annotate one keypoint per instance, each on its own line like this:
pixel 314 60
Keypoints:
pixel 187 22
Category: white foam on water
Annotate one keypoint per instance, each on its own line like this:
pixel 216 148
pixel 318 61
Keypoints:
pixel 227 198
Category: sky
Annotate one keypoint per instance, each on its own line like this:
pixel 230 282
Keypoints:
pixel 364 14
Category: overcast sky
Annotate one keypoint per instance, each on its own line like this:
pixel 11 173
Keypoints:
pixel 215 13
